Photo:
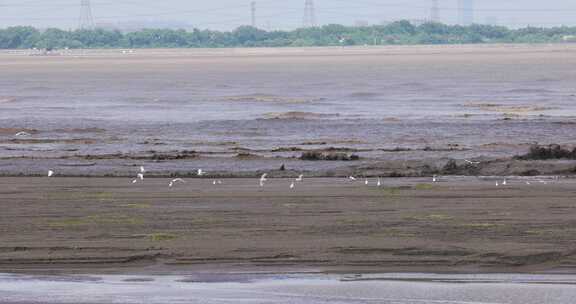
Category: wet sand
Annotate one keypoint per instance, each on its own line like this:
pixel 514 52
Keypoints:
pixel 108 225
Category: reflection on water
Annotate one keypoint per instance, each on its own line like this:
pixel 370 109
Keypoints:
pixel 389 288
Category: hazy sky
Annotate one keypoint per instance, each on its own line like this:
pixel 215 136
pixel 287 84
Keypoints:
pixel 278 14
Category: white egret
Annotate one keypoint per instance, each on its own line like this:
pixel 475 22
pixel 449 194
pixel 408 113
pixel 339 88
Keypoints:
pixel 22 134
pixel 174 181
pixel 379 182
pixel 200 172
pixel 263 179
pixel 50 173
pixel 366 182
pixel 472 162
pixel 352 178
pixel 292 185
pixel 300 178
pixel 434 179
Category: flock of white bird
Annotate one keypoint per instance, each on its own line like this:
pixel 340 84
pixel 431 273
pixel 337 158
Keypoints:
pixel 264 178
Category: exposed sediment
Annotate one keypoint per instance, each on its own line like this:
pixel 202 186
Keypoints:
pixel 111 225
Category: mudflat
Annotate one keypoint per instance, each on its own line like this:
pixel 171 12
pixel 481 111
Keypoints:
pixel 95 225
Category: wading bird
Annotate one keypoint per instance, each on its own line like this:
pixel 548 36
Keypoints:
pixel 263 179
pixel 300 178
pixel 472 162
pixel 200 172
pixel 139 176
pixel 379 182
pixel 174 181
pixel 22 134
pixel 50 173
pixel 292 185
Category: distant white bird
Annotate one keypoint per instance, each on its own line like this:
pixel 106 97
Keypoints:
pixel 472 162
pixel 292 185
pixel 219 182
pixel 497 184
pixel 200 172
pixel 379 182
pixel 300 178
pixel 366 182
pixel 505 182
pixel 139 176
pixel 22 134
pixel 214 182
pixel 352 178
pixel 174 181
pixel 434 178
pixel 527 183
pixel 50 173
pixel 263 179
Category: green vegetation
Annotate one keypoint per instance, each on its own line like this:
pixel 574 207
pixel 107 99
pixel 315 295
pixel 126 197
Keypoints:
pixel 396 33
pixel 103 219
pixel 161 237
pixel 429 217
pixel 425 187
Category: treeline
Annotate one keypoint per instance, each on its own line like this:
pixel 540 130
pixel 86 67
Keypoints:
pixel 396 33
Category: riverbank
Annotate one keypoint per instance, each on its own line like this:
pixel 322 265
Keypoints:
pixel 109 225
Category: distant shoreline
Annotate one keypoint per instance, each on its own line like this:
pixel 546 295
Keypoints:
pixel 309 51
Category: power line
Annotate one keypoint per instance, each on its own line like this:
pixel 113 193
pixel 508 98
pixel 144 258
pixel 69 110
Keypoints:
pixel 309 14
pixel 435 11
pixel 267 5
pixel 466 12
pixel 86 18
pixel 253 11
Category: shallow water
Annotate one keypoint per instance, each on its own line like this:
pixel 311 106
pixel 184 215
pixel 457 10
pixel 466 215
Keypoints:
pixel 221 104
pixel 235 288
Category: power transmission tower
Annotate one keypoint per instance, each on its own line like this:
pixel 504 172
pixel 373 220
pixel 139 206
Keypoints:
pixel 253 11
pixel 86 21
pixel 435 11
pixel 309 14
pixel 466 11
